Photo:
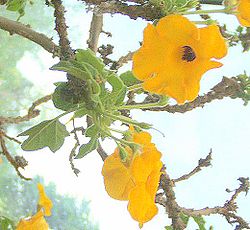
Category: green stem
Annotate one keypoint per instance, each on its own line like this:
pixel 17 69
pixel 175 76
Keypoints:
pixel 209 22
pixel 124 142
pixel 67 112
pixel 225 10
pixel 142 106
pixel 116 130
pixel 127 120
pixel 134 87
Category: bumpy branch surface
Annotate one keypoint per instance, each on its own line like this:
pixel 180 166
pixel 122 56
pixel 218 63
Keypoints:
pixel 172 208
pixel 228 210
pixel 14 27
pixel 61 29
pixel 228 87
pixel 133 11
pixel 32 112
pixel 201 164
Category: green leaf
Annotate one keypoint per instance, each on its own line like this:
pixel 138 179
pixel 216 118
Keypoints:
pixel 129 78
pixel 118 89
pixel 62 98
pixel 72 68
pixel 49 133
pixel 92 131
pixel 16 5
pixel 87 148
pixel 168 228
pixel 88 56
pixel 6 223
pixel 200 221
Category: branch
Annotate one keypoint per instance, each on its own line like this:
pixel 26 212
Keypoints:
pixel 228 87
pixel 16 162
pixel 122 60
pixel 61 28
pixel 32 112
pixel 172 208
pixel 14 27
pixel 95 31
pixel 228 210
pixel 145 11
pixel 202 163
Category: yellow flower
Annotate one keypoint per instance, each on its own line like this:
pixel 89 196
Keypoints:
pixel 175 54
pixel 244 12
pixel 137 180
pixel 44 202
pixel 36 222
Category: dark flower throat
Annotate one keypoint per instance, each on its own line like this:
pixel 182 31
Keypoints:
pixel 188 54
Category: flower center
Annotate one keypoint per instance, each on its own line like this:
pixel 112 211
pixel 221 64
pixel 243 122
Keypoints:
pixel 188 54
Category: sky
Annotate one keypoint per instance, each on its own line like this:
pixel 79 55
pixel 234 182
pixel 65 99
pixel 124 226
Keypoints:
pixel 220 125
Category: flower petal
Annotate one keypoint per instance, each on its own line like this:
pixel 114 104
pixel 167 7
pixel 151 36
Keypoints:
pixel 177 29
pixel 44 202
pixel 36 222
pixel 244 12
pixel 145 57
pixel 211 43
pixel 117 178
pixel 141 206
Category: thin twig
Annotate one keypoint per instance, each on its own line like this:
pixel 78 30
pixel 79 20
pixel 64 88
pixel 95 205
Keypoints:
pixel 122 60
pixel 10 138
pixel 15 162
pixel 32 112
pixel 202 163
pixel 228 210
pixel 14 27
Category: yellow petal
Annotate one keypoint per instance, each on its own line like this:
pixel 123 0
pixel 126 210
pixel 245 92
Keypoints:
pixel 211 43
pixel 36 222
pixel 117 178
pixel 177 29
pixel 185 53
pixel 140 170
pixel 145 57
pixel 153 181
pixel 44 202
pixel 141 206
pixel 142 138
pixel 244 12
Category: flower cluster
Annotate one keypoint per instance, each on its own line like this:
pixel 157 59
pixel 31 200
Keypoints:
pixel 175 54
pixel 136 179
pixel 37 221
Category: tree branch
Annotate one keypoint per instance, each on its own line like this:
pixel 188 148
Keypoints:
pixel 95 31
pixel 146 11
pixel 32 112
pixel 61 28
pixel 16 162
pixel 228 87
pixel 202 163
pixel 228 210
pixel 14 27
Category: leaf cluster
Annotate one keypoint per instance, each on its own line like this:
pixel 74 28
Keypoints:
pixel 102 95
